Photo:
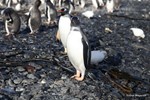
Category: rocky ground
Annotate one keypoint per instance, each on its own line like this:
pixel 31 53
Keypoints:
pixel 32 67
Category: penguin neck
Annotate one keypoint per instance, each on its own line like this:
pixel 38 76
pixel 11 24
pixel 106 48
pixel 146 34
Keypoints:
pixel 75 28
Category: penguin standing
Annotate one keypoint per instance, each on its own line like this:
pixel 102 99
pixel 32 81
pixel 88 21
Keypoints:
pixel 12 21
pixel 51 12
pixel 112 5
pixel 78 49
pixel 64 27
pixel 97 3
pixel 34 20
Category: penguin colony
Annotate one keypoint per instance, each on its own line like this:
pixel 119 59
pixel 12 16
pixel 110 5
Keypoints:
pixel 74 40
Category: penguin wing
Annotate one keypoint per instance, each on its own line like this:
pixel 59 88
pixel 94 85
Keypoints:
pixel 46 12
pixel 86 50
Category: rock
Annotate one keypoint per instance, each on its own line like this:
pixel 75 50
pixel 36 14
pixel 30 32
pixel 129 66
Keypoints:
pixel 31 76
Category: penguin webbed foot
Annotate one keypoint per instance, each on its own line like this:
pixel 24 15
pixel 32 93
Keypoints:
pixel 77 76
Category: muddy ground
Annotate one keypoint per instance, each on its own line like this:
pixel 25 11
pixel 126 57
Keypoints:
pixel 32 67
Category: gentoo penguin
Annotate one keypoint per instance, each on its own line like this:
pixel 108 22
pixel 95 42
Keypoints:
pixel 78 49
pixel 12 21
pixel 97 3
pixel 53 2
pixel 81 3
pixel 64 26
pixel 112 5
pixel 51 12
pixel 69 4
pixel 34 20
pixel 18 5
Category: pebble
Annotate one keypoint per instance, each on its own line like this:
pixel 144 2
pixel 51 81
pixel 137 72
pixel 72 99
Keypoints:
pixel 43 81
pixel 31 76
pixel 17 81
pixel 20 89
pixel 20 69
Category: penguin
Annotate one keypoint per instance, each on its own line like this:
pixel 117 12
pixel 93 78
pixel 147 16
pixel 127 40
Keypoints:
pixel 69 4
pixel 64 26
pixel 34 21
pixel 112 5
pixel 51 12
pixel 82 3
pixel 97 3
pixel 78 49
pixel 18 5
pixel 53 2
pixel 12 21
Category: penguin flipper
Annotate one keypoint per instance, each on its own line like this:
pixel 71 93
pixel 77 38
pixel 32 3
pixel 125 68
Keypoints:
pixel 86 50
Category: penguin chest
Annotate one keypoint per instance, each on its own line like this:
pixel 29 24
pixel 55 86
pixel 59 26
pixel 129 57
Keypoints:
pixel 64 29
pixel 110 6
pixel 75 49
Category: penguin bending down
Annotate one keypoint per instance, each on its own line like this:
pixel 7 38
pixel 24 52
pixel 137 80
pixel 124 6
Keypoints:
pixel 51 12
pixel 12 21
pixel 64 27
pixel 78 49
pixel 34 21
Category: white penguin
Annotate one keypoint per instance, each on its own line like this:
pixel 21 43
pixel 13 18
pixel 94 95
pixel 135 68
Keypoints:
pixel 64 27
pixel 78 49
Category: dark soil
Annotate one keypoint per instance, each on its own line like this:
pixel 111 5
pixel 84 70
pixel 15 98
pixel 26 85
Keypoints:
pixel 32 67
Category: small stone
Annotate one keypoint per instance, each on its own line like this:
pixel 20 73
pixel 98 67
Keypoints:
pixel 63 77
pixel 20 89
pixel 31 76
pixel 43 81
pixel 17 81
pixel 20 69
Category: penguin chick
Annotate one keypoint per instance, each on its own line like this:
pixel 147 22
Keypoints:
pixel 51 12
pixel 12 21
pixel 97 56
pixel 78 49
pixel 64 27
pixel 34 21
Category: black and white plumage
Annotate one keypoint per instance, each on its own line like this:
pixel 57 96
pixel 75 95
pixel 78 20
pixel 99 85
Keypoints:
pixel 34 21
pixel 69 4
pixel 78 49
pixel 64 26
pixel 12 21
pixel 97 3
pixel 51 12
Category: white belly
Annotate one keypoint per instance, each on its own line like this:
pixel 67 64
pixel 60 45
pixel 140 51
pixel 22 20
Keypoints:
pixel 75 49
pixel 64 29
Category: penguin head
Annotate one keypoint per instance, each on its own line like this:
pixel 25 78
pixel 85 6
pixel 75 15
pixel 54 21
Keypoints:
pixel 64 11
pixel 37 3
pixel 75 21
pixel 6 13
